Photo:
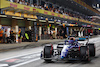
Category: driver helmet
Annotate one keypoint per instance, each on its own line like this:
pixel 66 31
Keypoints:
pixel 72 40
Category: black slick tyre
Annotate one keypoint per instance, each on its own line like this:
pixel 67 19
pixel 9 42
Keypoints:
pixel 84 53
pixel 91 49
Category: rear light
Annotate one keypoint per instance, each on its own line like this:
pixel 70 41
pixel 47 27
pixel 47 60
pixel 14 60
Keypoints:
pixel 51 49
pixel 79 48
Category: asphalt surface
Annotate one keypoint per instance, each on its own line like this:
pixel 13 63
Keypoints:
pixel 95 61
pixel 24 45
pixel 31 58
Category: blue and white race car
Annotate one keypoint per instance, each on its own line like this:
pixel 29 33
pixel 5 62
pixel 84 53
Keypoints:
pixel 67 51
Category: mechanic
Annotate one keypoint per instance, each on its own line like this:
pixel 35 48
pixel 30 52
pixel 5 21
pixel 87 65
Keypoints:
pixel 72 42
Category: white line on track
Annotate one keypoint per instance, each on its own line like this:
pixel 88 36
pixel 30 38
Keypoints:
pixel 25 62
pixel 2 65
pixel 96 41
pixel 19 56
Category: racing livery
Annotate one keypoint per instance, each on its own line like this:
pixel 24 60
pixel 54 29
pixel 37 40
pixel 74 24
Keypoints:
pixel 67 51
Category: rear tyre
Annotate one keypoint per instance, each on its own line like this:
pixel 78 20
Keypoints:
pixel 91 49
pixel 84 53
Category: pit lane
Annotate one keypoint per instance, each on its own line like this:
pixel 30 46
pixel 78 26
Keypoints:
pixel 33 60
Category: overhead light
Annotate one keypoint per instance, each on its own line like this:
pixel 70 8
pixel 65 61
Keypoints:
pixel 42 20
pixel 65 21
pixel 94 6
pixel 58 22
pixel 98 5
pixel 51 21
pixel 3 16
pixel 18 17
pixel 32 19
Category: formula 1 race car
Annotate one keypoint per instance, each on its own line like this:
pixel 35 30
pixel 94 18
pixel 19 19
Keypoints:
pixel 81 52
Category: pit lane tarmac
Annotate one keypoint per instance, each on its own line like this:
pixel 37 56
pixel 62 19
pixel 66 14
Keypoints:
pixel 25 59
pixel 17 61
